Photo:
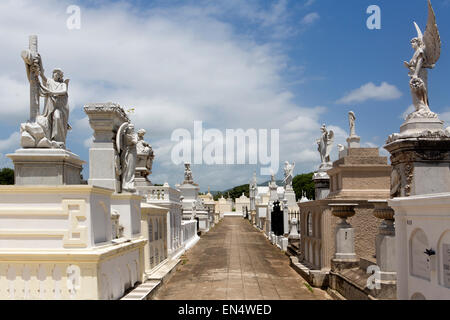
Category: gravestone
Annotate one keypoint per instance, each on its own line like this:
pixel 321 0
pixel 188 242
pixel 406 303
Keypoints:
pixel 420 262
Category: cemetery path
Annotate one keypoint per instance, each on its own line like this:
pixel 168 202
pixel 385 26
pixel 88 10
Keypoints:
pixel 234 261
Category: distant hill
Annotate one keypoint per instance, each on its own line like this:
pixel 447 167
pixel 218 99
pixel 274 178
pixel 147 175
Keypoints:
pixel 301 182
pixel 234 193
pixel 280 183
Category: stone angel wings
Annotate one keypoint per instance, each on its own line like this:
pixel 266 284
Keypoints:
pixel 427 50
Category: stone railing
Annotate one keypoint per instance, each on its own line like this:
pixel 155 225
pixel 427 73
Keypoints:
pixel 188 230
pixel 164 193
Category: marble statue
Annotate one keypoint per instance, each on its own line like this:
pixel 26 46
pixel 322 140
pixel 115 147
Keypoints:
pixel 49 129
pixel 288 173
pixel 253 183
pixel 144 151
pixel 427 50
pixel 56 108
pixel 351 120
pixel 126 142
pixel 325 143
pixel 272 178
pixel 188 173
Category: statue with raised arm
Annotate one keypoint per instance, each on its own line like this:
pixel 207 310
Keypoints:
pixel 288 173
pixel 126 141
pixel 49 129
pixel 427 50
pixel 325 143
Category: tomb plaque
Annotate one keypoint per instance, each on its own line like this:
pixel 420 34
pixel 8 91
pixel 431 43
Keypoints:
pixel 446 264
pixel 420 264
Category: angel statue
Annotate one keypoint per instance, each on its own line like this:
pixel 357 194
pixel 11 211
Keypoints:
pixel 325 143
pixel 427 49
pixel 126 141
pixel 288 173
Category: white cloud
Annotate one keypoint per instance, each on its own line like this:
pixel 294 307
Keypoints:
pixel 409 110
pixel 10 143
pixel 5 162
pixel 445 116
pixel 88 142
pixel 173 64
pixel 14 99
pixel 370 91
pixel 310 18
pixel 369 145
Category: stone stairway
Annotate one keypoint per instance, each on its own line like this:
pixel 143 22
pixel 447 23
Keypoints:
pixel 293 248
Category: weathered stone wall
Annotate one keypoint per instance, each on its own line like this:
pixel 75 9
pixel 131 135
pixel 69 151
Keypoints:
pixel 366 229
pixel 324 224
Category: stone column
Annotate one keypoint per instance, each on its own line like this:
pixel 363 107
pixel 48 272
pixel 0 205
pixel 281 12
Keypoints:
pixel 322 185
pixel 385 241
pixel 268 220
pixel 105 119
pixel 420 158
pixel 285 217
pixel 354 142
pixel 345 256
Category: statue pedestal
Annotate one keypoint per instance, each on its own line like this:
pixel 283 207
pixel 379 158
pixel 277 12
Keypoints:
pixel 322 185
pixel 289 195
pixel 344 256
pixel 105 119
pixel 354 142
pixel 141 175
pixel 46 167
pixel 420 158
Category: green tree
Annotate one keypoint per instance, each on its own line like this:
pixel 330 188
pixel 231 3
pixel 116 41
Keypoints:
pixel 236 192
pixel 217 196
pixel 305 183
pixel 6 176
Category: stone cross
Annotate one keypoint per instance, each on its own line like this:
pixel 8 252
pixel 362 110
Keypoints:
pixel 30 56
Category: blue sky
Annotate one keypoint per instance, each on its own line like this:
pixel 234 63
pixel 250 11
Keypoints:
pixel 289 65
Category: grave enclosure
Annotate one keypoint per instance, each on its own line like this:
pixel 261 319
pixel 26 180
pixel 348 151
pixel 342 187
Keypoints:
pixel 63 238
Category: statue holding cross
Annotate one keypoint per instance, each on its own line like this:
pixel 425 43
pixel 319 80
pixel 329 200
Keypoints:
pixel 49 129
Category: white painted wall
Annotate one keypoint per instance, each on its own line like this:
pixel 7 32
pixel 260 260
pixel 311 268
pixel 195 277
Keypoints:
pixel 423 222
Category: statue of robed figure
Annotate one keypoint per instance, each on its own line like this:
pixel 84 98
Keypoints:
pixel 288 173
pixel 427 50
pixel 49 129
pixel 325 144
pixel 126 141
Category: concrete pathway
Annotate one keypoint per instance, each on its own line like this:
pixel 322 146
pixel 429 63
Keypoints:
pixel 234 261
